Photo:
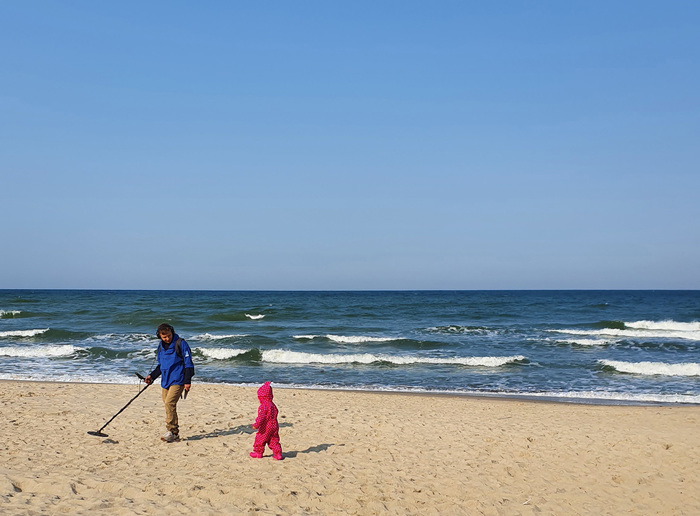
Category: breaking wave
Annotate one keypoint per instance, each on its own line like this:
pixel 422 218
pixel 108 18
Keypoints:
pixel 209 336
pixel 139 338
pixel 39 352
pixel 221 353
pixel 352 339
pixel 642 329
pixel 652 368
pixel 460 330
pixel 603 396
pixel 254 317
pixel 23 333
pixel 281 356
pixel 587 342
pixel 665 325
pixel 94 377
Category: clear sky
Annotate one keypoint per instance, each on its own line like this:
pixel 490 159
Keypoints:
pixel 350 145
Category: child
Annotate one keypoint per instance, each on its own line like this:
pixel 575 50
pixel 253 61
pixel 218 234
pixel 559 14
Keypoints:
pixel 266 423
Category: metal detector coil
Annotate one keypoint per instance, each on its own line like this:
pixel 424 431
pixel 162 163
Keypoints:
pixel 99 433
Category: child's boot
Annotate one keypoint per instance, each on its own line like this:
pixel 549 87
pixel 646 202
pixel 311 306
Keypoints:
pixel 256 455
pixel 277 456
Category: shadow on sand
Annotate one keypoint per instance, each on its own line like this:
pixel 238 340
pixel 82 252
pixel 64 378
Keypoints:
pixel 238 430
pixel 313 449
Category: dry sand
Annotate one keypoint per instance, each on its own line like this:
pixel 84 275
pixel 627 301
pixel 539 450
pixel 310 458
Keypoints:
pixel 346 453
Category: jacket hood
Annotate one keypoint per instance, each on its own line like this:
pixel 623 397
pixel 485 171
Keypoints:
pixel 265 392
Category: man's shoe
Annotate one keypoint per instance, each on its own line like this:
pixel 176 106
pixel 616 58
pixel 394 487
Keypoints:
pixel 170 437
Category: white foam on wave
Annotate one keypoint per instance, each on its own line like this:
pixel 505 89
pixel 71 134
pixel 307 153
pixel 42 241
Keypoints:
pixel 348 339
pixel 667 325
pixel 39 352
pixel 587 342
pixel 654 368
pixel 22 333
pixel 462 330
pixel 209 336
pixel 255 317
pixel 358 339
pixel 123 337
pixel 614 396
pixel 602 397
pixel 93 377
pixel 3 313
pixel 635 333
pixel 282 356
pixel 221 353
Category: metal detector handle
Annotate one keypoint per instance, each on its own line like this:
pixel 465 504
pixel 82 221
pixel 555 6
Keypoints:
pixel 122 410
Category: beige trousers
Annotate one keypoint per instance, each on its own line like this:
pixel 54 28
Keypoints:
pixel 170 397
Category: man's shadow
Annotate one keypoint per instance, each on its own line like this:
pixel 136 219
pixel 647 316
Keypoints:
pixel 239 430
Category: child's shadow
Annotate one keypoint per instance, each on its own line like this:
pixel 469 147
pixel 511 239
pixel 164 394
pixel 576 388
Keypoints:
pixel 240 429
pixel 312 449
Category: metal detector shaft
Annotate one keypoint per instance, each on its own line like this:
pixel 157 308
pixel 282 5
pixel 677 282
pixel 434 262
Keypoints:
pixel 122 410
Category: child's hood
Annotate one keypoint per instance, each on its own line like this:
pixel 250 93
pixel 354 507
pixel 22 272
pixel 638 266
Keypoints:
pixel 265 392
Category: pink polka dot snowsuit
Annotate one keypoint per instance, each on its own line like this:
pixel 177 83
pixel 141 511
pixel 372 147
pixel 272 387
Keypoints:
pixel 266 423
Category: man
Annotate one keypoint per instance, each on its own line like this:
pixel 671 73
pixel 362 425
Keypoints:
pixel 175 364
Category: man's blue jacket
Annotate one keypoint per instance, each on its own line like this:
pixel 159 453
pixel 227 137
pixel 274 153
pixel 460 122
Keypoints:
pixel 175 370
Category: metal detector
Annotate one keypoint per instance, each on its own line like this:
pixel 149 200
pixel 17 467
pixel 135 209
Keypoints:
pixel 99 433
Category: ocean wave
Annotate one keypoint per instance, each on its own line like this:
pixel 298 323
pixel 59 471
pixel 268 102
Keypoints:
pixel 595 397
pixel 23 333
pixel 110 353
pixel 352 339
pixel 254 317
pixel 9 314
pixel 460 330
pixel 209 336
pixel 587 342
pixel 637 332
pixel 587 397
pixel 281 356
pixel 93 377
pixel 227 316
pixel 653 368
pixel 605 396
pixel 123 337
pixel 616 325
pixel 358 339
pixel 665 325
pixel 221 353
pixel 39 352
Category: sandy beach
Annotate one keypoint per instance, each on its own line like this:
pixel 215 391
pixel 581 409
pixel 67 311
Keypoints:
pixel 345 453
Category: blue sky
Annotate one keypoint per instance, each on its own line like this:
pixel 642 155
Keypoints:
pixel 356 145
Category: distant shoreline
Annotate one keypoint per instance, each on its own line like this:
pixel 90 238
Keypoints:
pixel 484 396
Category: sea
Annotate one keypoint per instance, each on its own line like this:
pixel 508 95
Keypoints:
pixel 610 347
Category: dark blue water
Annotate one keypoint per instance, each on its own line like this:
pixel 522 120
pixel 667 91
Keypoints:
pixel 623 346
